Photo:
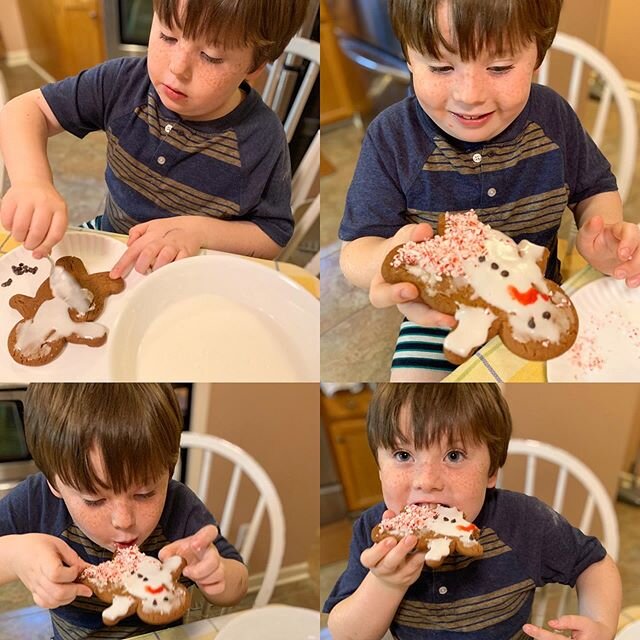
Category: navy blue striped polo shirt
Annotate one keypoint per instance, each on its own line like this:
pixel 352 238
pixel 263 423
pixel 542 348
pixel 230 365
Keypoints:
pixel 519 182
pixel 526 545
pixel 158 165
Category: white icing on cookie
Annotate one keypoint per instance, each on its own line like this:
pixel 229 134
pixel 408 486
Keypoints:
pixel 472 329
pixel 119 608
pixel 504 274
pixel 438 549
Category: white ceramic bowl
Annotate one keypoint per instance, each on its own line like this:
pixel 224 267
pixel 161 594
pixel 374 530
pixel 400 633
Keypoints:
pixel 217 318
pixel 275 622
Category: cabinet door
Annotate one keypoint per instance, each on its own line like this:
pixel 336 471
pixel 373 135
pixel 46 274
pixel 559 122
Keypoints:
pixel 356 465
pixel 79 28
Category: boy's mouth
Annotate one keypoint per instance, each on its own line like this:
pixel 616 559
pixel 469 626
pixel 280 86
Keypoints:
pixel 471 119
pixel 174 94
pixel 124 544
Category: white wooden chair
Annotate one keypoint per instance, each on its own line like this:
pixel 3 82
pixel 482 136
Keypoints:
pixel 275 92
pixel 614 90
pixel 212 447
pixel 597 500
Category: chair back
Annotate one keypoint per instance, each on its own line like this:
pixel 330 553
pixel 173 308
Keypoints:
pixel 281 71
pixel 596 500
pixel 243 466
pixel 613 88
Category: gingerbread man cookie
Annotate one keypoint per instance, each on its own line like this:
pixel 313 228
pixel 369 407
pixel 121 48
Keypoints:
pixel 49 322
pixel 491 285
pixel 136 583
pixel 440 530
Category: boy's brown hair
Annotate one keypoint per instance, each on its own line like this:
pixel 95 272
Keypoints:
pixel 432 412
pixel 498 26
pixel 135 428
pixel 265 25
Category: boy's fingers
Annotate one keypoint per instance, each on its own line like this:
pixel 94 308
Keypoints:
pixel 426 316
pixel 204 537
pixel 422 231
pixel 372 556
pixel 538 633
pixel 570 622
pixel 591 229
pixel 136 232
pixel 629 239
pixel 124 264
pixel 386 295
pixel 388 514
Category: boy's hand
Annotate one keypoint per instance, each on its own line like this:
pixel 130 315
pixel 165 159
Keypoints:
pixel 579 628
pixel 36 215
pixel 613 249
pixel 48 567
pixel 153 244
pixel 204 564
pixel 383 294
pixel 390 562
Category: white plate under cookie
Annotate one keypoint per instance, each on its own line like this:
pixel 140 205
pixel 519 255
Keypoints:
pixel 274 622
pixel 98 252
pixel 217 318
pixel 607 348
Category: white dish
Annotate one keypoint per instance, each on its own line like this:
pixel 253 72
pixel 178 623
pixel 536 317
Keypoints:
pixel 98 252
pixel 273 623
pixel 630 632
pixel 607 348
pixel 217 318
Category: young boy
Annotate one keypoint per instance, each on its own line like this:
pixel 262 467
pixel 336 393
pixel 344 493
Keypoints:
pixel 444 444
pixel 194 160
pixel 476 134
pixel 106 453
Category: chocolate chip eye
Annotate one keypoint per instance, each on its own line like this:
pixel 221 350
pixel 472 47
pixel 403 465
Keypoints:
pixel 155 603
pixel 132 572
pixel 145 579
pixel 445 518
pixel 494 265
pixel 546 315
pixel 532 323
pixel 504 273
pixel 139 575
pixel 166 598
pixel 482 258
pixel 453 519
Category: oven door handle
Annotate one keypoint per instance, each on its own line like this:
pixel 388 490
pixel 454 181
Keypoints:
pixel 371 58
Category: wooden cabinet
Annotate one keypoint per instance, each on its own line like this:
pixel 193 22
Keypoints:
pixel 343 417
pixel 341 91
pixel 64 36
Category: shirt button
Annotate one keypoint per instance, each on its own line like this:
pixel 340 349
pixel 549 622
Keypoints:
pixel 161 160
pixel 477 158
pixel 492 192
pixel 168 128
pixel 442 590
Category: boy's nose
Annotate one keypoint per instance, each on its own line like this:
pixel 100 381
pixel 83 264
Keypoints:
pixel 428 479
pixel 123 516
pixel 469 88
pixel 179 64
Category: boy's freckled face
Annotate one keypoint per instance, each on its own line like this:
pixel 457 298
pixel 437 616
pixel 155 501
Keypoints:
pixel 445 473
pixel 194 79
pixel 112 520
pixel 474 100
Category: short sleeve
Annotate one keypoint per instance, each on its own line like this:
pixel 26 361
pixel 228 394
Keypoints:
pixel 355 572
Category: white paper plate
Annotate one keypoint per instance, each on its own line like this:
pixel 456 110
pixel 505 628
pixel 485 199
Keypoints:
pixel 607 348
pixel 216 318
pixel 76 362
pixel 273 623
pixel 630 632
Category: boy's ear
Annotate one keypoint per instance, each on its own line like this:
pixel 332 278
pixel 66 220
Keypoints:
pixel 55 492
pixel 491 482
pixel 256 72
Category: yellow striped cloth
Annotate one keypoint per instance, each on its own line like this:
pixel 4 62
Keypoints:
pixel 494 362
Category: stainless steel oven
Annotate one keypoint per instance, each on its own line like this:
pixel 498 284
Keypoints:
pixel 15 462
pixel 126 26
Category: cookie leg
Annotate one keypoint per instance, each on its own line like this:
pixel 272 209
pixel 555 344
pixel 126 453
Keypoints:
pixel 438 550
pixel 121 607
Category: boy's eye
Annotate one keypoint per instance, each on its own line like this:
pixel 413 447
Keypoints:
pixel 455 456
pixel 93 503
pixel 402 456
pixel 210 59
pixel 440 69
pixel 145 496
pixel 166 38
pixel 501 68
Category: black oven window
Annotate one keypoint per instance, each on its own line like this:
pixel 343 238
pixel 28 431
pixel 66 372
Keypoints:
pixel 135 21
pixel 12 443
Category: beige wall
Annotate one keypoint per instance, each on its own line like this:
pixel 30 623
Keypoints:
pixel 11 27
pixel 279 425
pixel 594 422
pixel 621 42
